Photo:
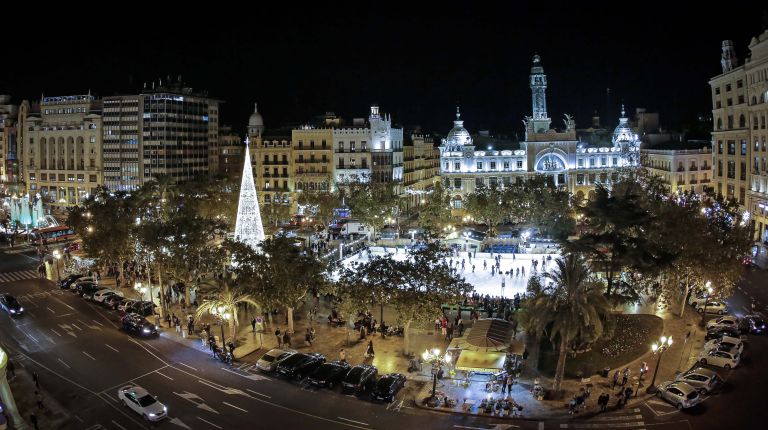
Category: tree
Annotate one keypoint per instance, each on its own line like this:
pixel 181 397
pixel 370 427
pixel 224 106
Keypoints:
pixel 435 213
pixel 224 304
pixel 276 211
pixel 321 203
pixel 566 305
pixel 371 202
pixel 487 205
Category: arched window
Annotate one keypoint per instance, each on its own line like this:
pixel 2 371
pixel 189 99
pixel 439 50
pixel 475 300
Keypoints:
pixel 742 121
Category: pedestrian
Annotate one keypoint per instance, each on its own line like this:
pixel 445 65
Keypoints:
pixel 279 337
pixel 625 377
pixel 308 337
pixel 473 268
pixel 627 394
pixel 33 420
pixel 510 381
pixel 36 379
pixel 11 370
pixel 231 346
pixel 342 355
pixel 615 379
pixel 460 327
pixel 253 324
pixel 39 400
pixel 362 332
pixel 369 351
pixel 287 338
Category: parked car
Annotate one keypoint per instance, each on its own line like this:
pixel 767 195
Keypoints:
pixel 725 343
pixel 125 305
pixel 697 300
pixel 268 361
pixel 87 290
pixel 713 307
pixel 113 301
pixel 388 386
pixel 680 394
pixel 752 324
pixel 142 308
pixel 137 324
pixel 102 294
pixel 703 379
pixel 69 280
pixel 726 359
pixel 726 321
pixel 141 402
pixel 329 374
pixel 718 332
pixel 299 365
pixel 81 280
pixel 360 378
pixel 11 305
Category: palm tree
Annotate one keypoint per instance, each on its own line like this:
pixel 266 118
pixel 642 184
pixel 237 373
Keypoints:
pixel 224 304
pixel 568 305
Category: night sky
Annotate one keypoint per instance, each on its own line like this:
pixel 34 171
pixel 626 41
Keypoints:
pixel 416 62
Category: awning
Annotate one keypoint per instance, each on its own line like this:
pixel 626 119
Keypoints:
pixel 478 361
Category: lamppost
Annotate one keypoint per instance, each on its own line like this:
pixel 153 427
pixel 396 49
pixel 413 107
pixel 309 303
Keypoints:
pixel 139 289
pixel 222 315
pixel 663 345
pixel 57 256
pixel 706 302
pixel 436 360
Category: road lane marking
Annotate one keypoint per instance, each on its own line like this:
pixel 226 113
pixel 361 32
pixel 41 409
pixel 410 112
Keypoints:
pixel 78 418
pixel 98 323
pixel 52 311
pixel 618 418
pixel 250 376
pixel 75 326
pixel 57 333
pixel 233 406
pixel 113 349
pixel 209 423
pixel 62 362
pixel 353 421
pixel 257 393
pixel 89 356
pixel 30 336
pixel 118 425
pixel 164 376
pixel 186 365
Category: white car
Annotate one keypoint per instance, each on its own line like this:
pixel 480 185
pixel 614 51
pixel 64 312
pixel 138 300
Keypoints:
pixel 679 394
pixel 123 307
pixel 138 399
pixel 713 307
pixel 717 357
pixel 703 379
pixel 725 343
pixel 100 295
pixel 268 361
pixel 726 321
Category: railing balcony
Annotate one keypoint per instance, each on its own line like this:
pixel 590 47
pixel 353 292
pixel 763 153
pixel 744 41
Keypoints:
pixel 693 181
pixel 693 168
pixel 681 169
pixel 704 181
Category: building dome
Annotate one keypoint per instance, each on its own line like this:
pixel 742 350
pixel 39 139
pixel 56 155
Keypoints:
pixel 623 134
pixel 458 134
pixel 256 120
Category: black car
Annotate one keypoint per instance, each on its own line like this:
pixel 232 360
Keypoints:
pixel 112 301
pixel 387 386
pixel 136 324
pixel 329 374
pixel 360 378
pixel 87 289
pixel 752 324
pixel 66 282
pixel 300 365
pixel 142 308
pixel 718 332
pixel 11 305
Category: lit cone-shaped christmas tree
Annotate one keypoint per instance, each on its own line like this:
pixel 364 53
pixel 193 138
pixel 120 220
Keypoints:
pixel 248 227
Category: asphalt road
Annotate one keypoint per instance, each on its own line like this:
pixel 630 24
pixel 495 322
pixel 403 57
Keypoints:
pixel 82 359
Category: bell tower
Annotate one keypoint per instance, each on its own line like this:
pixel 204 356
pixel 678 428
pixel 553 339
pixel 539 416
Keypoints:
pixel 539 121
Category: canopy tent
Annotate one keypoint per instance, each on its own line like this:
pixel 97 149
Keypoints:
pixel 481 361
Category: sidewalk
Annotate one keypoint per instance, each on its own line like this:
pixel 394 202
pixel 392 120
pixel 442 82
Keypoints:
pixel 52 416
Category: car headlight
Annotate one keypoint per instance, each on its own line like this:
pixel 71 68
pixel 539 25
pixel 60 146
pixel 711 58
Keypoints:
pixel 146 330
pixel 13 311
pixel 21 309
pixel 151 414
pixel 165 409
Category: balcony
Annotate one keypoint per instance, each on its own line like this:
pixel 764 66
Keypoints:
pixel 284 175
pixel 693 168
pixel 275 163
pixel 311 161
pixel 693 181
pixel 704 181
pixel 306 173
pixel 681 183
pixel 681 169
pixel 705 167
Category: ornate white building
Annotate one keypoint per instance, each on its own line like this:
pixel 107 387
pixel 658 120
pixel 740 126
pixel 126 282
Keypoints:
pixel 570 162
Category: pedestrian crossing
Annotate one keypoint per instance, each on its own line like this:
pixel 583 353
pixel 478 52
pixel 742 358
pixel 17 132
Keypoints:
pixel 18 275
pixel 630 418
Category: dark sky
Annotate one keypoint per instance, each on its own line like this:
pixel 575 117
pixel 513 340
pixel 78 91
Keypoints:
pixel 415 61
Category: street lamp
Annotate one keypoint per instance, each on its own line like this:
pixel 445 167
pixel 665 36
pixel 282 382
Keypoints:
pixel 137 287
pixel 57 256
pixel 663 344
pixel 221 314
pixel 436 360
pixel 706 302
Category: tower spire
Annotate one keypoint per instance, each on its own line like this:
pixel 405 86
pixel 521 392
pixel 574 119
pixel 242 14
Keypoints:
pixel 458 113
pixel 538 82
pixel 248 227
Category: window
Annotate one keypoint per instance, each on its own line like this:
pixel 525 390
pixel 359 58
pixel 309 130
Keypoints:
pixel 91 178
pixel 731 170
pixel 493 165
pixel 741 99
pixel 717 90
pixel 457 182
pixel 32 177
pixel 456 203
pixel 43 176
pixel 720 168
pixel 742 194
pixel 718 104
pixel 581 162
pixel 592 162
pixel 457 166
pixel 352 146
pixel 730 121
pixel 519 164
pixel 743 172
pixel 739 83
pixel 479 165
pixel 506 165
pixel 478 182
pixel 742 121
pixel 719 146
pixel 603 161
pixel 93 139
pixel 727 87
pixel 743 147
pixel 580 179
pixel 731 147
pixel 323 144
pixel 615 161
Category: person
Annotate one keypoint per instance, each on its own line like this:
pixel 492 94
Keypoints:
pixel 253 324
pixel 287 338
pixel 510 381
pixel 627 394
pixel 603 401
pixel 39 400
pixel 363 334
pixel 33 420
pixel 625 377
pixel 615 379
pixel 36 379
pixel 369 351
pixel 308 337
pixel 460 327
pixel 342 355
pixel 279 337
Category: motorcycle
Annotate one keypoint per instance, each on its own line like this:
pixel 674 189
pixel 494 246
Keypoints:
pixel 225 356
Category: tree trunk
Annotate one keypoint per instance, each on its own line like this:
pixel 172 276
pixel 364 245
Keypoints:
pixel 290 319
pixel 162 291
pixel 406 338
pixel 560 370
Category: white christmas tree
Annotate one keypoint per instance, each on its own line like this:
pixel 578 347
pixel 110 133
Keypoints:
pixel 248 227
